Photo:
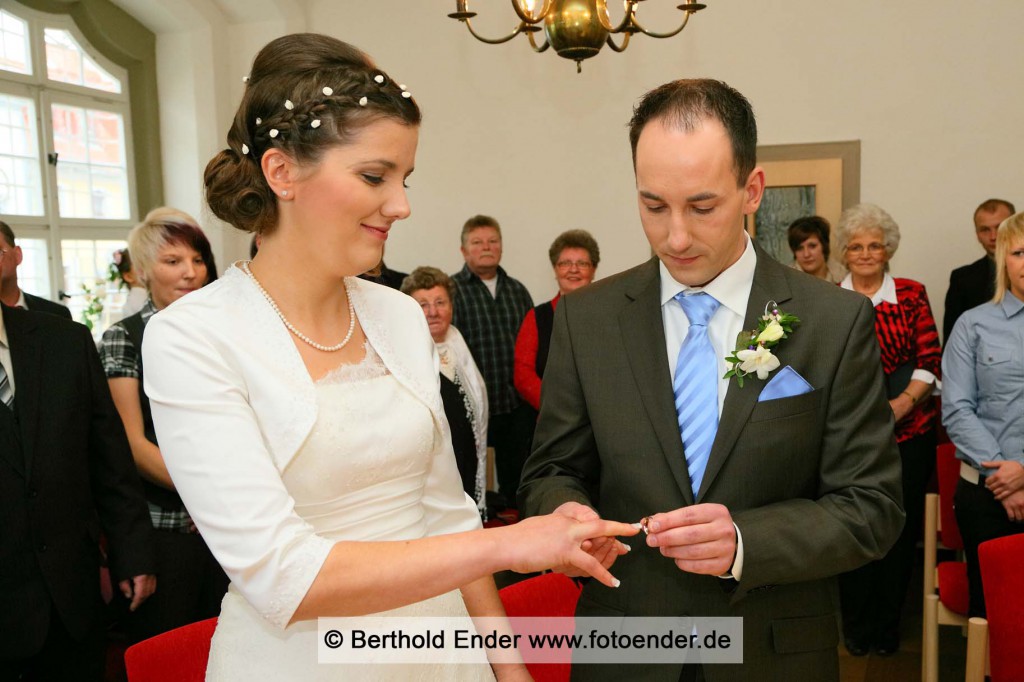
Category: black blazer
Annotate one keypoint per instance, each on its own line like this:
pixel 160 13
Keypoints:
pixel 969 286
pixel 66 472
pixel 43 305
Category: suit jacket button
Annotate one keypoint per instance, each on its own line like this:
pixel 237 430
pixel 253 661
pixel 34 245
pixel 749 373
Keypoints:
pixel 42 547
pixel 33 492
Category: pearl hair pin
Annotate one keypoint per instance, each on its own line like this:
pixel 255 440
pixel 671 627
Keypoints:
pixel 245 149
pixel 302 337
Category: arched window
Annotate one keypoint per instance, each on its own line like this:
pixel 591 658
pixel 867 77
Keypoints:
pixel 67 182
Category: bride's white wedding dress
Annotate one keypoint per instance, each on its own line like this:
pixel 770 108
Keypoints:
pixel 362 474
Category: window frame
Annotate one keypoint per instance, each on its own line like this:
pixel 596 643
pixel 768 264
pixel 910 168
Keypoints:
pixel 45 92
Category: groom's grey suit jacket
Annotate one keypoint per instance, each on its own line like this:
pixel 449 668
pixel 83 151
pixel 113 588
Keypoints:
pixel 811 481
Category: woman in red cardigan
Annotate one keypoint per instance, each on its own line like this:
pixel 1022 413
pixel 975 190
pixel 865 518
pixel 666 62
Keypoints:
pixel 574 256
pixel 873 596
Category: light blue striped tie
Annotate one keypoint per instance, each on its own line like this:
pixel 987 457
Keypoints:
pixel 696 386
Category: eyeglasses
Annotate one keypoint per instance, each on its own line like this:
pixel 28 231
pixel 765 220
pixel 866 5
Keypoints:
pixel 874 249
pixel 568 264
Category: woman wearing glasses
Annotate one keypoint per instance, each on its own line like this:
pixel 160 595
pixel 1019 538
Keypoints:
pixel 872 596
pixel 574 256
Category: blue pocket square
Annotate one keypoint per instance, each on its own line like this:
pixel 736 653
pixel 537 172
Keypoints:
pixel 786 384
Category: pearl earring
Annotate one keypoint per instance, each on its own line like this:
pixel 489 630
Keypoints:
pixel 284 192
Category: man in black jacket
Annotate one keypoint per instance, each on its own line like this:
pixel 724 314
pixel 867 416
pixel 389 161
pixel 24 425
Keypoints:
pixel 974 284
pixel 66 473
pixel 10 293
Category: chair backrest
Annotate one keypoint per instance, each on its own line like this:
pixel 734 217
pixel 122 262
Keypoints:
pixel 1000 561
pixel 550 595
pixel 179 655
pixel 947 469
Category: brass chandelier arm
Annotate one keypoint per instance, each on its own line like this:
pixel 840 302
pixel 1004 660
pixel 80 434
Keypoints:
pixel 627 20
pixel 535 46
pixel 532 20
pixel 619 48
pixel 653 34
pixel 495 41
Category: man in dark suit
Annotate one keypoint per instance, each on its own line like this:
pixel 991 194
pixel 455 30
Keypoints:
pixel 66 473
pixel 974 284
pixel 755 497
pixel 10 293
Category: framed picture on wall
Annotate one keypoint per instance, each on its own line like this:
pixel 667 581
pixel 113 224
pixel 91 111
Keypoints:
pixel 803 180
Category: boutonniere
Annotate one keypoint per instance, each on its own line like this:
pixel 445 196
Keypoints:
pixel 753 353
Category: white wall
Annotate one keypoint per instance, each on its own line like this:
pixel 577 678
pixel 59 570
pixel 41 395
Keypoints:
pixel 931 88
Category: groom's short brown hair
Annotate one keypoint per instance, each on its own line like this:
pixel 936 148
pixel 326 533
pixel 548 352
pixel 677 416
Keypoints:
pixel 685 104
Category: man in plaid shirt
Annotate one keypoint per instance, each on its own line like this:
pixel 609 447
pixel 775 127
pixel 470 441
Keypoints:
pixel 489 307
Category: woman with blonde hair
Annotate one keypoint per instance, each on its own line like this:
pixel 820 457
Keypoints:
pixel 983 408
pixel 172 258
pixel 299 406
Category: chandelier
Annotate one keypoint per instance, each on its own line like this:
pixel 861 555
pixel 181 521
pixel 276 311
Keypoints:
pixel 576 29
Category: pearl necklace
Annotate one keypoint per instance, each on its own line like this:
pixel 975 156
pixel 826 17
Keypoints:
pixel 291 327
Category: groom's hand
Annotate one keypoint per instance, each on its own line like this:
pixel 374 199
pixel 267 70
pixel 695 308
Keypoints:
pixel 605 549
pixel 700 538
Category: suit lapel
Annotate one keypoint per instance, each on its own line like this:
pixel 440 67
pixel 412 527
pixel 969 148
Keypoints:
pixel 643 336
pixel 769 285
pixel 26 359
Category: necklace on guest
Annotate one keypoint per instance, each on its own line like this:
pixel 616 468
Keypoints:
pixel 302 337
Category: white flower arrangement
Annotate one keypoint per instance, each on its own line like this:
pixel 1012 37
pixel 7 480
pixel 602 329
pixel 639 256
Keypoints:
pixel 753 353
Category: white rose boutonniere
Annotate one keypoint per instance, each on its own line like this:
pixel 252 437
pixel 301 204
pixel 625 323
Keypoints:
pixel 753 353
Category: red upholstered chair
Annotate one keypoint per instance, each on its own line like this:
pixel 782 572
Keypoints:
pixel 548 595
pixel 179 655
pixel 1000 560
pixel 945 583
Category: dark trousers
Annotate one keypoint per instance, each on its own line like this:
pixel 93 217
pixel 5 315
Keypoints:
pixel 190 585
pixel 872 596
pixel 981 518
pixel 511 435
pixel 62 657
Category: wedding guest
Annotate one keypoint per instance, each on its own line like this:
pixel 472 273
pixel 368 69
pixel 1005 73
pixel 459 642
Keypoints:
pixel 171 258
pixel 489 307
pixel 66 473
pixel 574 257
pixel 10 293
pixel 873 596
pixel 298 407
pixel 463 392
pixel 128 276
pixel 983 408
pixel 809 241
pixel 974 284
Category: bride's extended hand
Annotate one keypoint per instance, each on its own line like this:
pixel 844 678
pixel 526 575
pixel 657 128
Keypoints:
pixel 606 550
pixel 558 540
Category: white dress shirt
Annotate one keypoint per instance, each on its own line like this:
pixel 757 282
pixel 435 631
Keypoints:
pixel 732 290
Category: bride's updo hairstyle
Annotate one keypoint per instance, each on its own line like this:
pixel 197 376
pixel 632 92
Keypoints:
pixel 306 93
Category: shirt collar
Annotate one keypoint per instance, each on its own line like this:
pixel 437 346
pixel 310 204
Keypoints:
pixel 731 288
pixel 886 293
pixel 470 273
pixel 1011 305
pixel 21 300
pixel 3 333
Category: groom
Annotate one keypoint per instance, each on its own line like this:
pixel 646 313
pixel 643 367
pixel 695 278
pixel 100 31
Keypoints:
pixel 757 495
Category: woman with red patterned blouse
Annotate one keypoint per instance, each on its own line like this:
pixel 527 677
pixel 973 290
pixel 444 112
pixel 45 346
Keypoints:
pixel 873 596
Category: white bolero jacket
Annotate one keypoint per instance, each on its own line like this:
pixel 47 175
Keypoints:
pixel 233 402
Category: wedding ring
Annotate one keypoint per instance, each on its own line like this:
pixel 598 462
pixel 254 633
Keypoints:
pixel 644 524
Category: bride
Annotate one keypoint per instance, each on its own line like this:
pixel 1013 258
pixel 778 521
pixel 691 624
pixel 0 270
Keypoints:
pixel 298 407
